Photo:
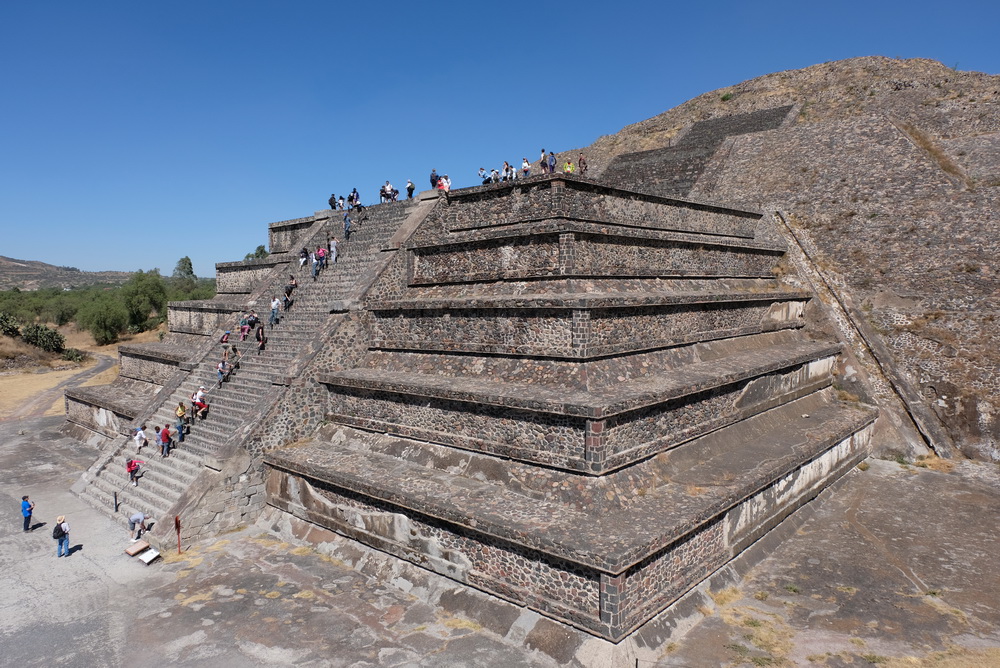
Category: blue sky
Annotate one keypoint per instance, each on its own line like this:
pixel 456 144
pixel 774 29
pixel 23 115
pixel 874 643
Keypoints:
pixel 134 133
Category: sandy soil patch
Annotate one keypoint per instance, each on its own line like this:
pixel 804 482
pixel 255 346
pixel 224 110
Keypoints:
pixel 18 388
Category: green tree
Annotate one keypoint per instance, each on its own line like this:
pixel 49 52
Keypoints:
pixel 184 269
pixel 259 253
pixel 142 295
pixel 105 317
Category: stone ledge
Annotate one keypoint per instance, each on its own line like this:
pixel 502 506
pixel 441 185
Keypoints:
pixel 582 183
pixel 110 398
pixel 529 227
pixel 714 478
pixel 209 305
pixel 269 261
pixel 163 352
pixel 589 300
pixel 691 379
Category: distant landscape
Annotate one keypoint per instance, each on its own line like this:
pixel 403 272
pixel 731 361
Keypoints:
pixel 34 275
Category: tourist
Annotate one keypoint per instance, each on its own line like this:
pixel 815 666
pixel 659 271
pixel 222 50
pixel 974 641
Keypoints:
pixel 140 438
pixel 321 256
pixel 303 257
pixel 568 167
pixel 582 164
pixel 198 402
pixel 543 162
pixel 347 227
pixel 132 467
pixel 357 199
pixel 165 441
pixel 61 533
pixel 253 320
pixel 333 248
pixel 137 523
pixel 525 168
pixel 445 183
pixel 275 305
pixel 27 507
pixel 483 176
pixel 552 162
pixel 261 339
pixel 494 176
pixel 340 203
pixel 244 327
pixel 226 346
pixel 332 201
pixel 222 368
pixel 181 413
pixel 409 189
pixel 434 179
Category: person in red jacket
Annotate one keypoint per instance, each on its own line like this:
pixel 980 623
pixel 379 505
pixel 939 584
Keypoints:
pixel 132 467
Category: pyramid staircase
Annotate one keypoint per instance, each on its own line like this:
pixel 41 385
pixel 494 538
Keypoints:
pixel 238 404
pixel 581 399
pixel 673 171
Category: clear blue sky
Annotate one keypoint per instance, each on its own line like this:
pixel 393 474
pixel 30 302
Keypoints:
pixel 134 133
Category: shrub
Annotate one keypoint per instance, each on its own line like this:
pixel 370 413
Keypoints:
pixel 74 355
pixel 727 97
pixel 42 337
pixel 9 326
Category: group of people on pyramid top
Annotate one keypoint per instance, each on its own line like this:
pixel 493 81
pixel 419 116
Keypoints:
pixel 440 182
pixel 547 164
pixel 389 194
pixel 353 201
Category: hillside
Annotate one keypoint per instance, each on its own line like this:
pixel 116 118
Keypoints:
pixel 32 275
pixel 887 175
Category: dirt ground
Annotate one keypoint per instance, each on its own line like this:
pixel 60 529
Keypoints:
pixel 36 389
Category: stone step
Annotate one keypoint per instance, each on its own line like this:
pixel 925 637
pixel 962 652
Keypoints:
pixel 606 535
pixel 591 430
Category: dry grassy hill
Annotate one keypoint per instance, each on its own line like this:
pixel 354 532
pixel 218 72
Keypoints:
pixel 887 173
pixel 32 275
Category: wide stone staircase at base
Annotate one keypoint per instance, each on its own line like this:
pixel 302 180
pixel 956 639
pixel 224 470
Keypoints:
pixel 580 399
pixel 236 406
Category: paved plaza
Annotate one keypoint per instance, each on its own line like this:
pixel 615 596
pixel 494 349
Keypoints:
pixel 899 562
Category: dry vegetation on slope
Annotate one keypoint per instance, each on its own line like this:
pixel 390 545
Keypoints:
pixel 890 173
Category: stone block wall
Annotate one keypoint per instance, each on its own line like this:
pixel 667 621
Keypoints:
pixel 203 318
pixel 147 369
pixel 97 418
pixel 281 236
pixel 610 604
pixel 574 332
pixel 241 278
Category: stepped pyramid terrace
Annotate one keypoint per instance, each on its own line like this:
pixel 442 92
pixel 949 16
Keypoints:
pixel 580 396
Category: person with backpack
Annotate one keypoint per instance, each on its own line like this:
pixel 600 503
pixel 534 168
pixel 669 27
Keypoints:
pixel 409 189
pixel 60 532
pixel 552 162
